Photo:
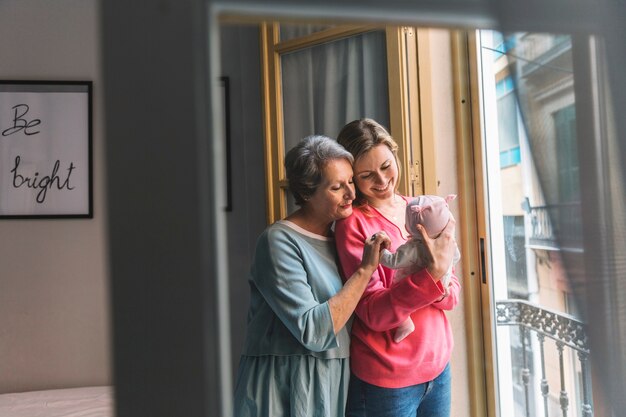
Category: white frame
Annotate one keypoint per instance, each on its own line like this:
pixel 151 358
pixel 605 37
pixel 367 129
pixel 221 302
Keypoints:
pixel 45 149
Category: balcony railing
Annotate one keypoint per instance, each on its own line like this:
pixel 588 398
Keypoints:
pixel 566 331
pixel 556 226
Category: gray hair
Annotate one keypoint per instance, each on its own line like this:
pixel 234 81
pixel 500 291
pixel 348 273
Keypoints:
pixel 305 162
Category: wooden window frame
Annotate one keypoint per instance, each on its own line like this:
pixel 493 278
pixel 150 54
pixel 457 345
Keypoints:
pixel 476 290
pixel 402 44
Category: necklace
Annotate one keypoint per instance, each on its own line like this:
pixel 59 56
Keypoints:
pixel 390 213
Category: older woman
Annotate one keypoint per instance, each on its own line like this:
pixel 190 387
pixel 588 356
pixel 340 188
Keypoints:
pixel 295 357
pixel 389 378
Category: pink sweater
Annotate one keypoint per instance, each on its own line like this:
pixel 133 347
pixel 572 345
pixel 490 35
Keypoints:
pixel 374 356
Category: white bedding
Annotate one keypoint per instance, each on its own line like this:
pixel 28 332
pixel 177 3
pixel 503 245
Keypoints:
pixel 73 402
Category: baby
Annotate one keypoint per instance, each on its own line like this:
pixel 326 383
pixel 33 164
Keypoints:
pixel 433 213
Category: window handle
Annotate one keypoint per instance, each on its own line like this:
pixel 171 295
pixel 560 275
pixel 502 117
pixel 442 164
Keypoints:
pixel 483 271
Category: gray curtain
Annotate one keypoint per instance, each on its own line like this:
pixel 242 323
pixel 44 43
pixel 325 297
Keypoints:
pixel 328 85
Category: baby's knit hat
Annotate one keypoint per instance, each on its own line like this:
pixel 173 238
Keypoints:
pixel 431 211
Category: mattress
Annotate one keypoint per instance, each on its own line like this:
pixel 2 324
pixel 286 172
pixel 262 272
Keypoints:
pixel 72 402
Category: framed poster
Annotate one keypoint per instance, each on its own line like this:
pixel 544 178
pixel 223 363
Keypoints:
pixel 46 149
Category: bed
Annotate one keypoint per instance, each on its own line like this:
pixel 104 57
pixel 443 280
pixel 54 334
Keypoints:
pixel 72 402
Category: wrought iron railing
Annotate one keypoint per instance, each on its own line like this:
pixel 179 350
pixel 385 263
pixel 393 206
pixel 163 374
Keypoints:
pixel 566 331
pixel 556 226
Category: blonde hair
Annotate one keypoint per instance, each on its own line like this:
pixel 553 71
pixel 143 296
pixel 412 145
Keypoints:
pixel 362 135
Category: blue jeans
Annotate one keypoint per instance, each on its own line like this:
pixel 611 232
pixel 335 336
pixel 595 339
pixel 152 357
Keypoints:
pixel 430 399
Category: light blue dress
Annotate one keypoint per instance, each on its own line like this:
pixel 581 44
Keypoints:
pixel 292 363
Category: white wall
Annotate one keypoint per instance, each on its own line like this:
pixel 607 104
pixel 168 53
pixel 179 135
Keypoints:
pixel 54 314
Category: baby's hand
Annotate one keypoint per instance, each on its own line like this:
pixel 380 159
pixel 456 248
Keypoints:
pixel 445 281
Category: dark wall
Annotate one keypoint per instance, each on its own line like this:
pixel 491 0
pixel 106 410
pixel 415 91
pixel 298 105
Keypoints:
pixel 241 64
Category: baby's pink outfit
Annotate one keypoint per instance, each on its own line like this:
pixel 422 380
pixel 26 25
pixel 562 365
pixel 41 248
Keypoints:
pixel 433 213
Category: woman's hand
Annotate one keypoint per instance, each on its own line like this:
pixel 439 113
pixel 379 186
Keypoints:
pixel 343 303
pixel 441 249
pixel 371 250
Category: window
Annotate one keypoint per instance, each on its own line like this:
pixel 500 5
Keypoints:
pixel 522 266
pixel 515 252
pixel 507 117
pixel 318 78
pixel 567 154
pixel 530 160
pixel 327 85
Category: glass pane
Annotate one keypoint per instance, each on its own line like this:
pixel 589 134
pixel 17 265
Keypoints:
pixel 291 30
pixel 328 85
pixel 530 147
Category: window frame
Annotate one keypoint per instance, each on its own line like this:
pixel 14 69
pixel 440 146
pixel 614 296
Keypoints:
pixel 403 46
pixel 472 237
